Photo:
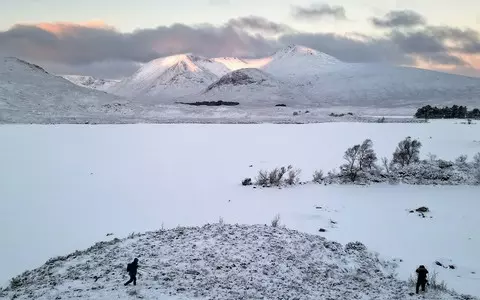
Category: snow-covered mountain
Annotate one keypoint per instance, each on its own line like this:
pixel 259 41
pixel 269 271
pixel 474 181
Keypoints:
pixel 219 261
pixel 309 78
pixel 91 82
pixel 297 62
pixel 28 92
pixel 174 75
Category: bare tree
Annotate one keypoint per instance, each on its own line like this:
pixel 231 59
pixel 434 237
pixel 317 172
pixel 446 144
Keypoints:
pixel 407 152
pixel 350 168
pixel 386 164
pixel 360 158
pixel 367 156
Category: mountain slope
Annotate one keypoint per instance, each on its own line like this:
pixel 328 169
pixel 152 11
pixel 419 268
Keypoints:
pixel 173 75
pixel 383 86
pixel 219 261
pixel 91 82
pixel 28 92
pixel 252 87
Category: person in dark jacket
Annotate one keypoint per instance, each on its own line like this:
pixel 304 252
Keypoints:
pixel 421 278
pixel 132 271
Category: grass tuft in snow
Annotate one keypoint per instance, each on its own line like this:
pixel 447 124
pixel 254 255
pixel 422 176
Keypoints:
pixel 275 221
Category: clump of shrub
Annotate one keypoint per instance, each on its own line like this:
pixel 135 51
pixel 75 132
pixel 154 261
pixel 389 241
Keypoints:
pixel 15 283
pixel 361 167
pixel 278 177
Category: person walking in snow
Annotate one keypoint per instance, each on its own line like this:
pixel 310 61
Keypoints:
pixel 421 278
pixel 132 272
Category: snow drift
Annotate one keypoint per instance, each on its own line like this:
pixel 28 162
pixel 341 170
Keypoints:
pixel 219 262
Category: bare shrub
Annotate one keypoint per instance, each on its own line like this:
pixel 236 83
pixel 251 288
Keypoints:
pixel 262 178
pixel 435 284
pixel 476 161
pixel 276 177
pixel 276 221
pixel 293 177
pixel 407 152
pixel 318 176
pixel 432 157
pixel 221 221
pixel 461 160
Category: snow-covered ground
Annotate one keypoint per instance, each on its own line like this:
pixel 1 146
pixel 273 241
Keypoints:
pixel 65 187
pixel 221 262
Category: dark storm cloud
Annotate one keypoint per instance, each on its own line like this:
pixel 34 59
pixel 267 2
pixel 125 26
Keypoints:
pixel 348 49
pixel 443 59
pixel 319 11
pixel 83 45
pixel 400 18
pixel 259 24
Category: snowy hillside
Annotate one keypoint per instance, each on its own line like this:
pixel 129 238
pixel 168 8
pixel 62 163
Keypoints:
pixel 29 91
pixel 174 75
pixel 252 87
pixel 226 262
pixel 91 82
pixel 297 62
pixel 382 86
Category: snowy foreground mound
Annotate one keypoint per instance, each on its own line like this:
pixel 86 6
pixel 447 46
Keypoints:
pixel 218 262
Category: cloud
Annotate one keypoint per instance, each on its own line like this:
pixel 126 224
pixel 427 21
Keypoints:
pixel 443 59
pixel 105 69
pixel 437 39
pixel 259 24
pixel 318 12
pixel 63 28
pixel 399 18
pixel 418 42
pixel 98 49
pixel 356 49
pixel 77 44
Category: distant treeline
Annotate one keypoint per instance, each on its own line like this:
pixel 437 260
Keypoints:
pixel 454 112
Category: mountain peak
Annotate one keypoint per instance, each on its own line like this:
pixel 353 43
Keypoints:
pixel 297 49
pixel 302 51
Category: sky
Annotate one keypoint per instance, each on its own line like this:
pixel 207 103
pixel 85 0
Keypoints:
pixel 111 37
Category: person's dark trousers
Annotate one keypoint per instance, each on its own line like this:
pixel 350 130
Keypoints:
pixel 421 284
pixel 133 278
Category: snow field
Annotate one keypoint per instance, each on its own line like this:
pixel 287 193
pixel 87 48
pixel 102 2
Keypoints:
pixel 65 187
